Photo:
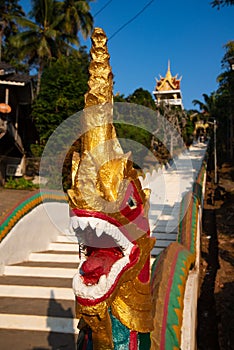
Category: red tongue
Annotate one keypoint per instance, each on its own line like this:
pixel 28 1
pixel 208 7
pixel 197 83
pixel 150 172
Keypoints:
pixel 99 263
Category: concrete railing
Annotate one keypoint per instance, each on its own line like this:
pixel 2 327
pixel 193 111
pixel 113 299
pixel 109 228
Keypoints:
pixel 28 227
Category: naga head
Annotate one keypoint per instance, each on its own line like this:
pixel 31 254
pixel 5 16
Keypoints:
pixel 109 211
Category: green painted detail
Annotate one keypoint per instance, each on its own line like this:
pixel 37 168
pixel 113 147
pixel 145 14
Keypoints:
pixel 188 222
pixel 174 318
pixel 120 334
pixel 25 207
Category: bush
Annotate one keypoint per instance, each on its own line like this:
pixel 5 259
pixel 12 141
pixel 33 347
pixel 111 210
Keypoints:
pixel 20 184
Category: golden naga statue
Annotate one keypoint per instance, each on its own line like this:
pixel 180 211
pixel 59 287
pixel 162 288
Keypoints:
pixel 109 211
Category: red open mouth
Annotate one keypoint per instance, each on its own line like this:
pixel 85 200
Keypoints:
pixel 105 254
pixel 98 263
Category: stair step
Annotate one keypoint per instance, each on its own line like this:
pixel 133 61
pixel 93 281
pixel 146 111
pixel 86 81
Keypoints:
pixel 36 340
pixel 66 247
pixel 48 264
pixel 36 292
pixel 39 271
pixel 38 306
pixel 67 239
pixel 67 258
pixel 35 281
pixel 38 323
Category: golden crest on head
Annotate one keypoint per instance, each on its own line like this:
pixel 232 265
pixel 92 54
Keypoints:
pixel 98 172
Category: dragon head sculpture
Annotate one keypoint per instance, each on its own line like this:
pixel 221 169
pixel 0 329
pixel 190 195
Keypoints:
pixel 109 212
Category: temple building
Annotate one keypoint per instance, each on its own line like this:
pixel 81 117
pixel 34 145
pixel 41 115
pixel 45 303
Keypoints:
pixel 167 90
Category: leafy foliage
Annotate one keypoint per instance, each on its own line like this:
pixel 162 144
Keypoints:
pixel 8 27
pixel 20 184
pixel 51 33
pixel 142 97
pixel 219 3
pixel 220 104
pixel 64 84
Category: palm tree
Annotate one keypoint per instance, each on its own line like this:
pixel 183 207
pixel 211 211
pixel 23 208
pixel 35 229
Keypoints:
pixel 38 41
pixel 77 18
pixel 8 9
pixel 46 37
pixel 218 3
pixel 208 108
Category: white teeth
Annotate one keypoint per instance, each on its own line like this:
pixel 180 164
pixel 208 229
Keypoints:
pixel 74 222
pixel 102 283
pixel 92 222
pixel 101 226
pixel 116 234
pixel 83 223
pixel 99 231
pixel 108 229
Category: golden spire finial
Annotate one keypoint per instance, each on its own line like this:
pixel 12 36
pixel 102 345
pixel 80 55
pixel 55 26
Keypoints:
pixel 168 74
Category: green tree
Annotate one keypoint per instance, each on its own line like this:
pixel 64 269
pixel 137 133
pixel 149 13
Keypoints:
pixel 225 102
pixel 8 10
pixel 63 86
pixel 219 3
pixel 77 18
pixel 134 123
pixel 142 97
pixel 38 42
pixel 208 107
pixel 44 38
pixel 178 119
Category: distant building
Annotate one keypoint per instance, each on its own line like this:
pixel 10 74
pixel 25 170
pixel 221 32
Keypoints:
pixel 167 90
pixel 17 130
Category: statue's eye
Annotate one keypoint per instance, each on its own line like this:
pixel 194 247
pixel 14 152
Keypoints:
pixel 131 203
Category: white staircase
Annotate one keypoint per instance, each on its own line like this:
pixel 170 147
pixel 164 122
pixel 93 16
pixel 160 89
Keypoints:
pixel 37 308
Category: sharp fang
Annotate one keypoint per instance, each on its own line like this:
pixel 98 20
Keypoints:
pixel 83 223
pixel 100 228
pixel 99 231
pixel 74 222
pixel 92 223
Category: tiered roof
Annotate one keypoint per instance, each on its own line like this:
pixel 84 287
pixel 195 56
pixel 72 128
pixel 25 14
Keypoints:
pixel 169 82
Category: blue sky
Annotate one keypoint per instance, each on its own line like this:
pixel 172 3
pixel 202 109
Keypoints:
pixel 189 33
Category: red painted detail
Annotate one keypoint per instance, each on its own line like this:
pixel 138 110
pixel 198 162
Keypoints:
pixel 134 256
pixel 133 344
pixel 135 215
pixel 144 275
pixel 99 263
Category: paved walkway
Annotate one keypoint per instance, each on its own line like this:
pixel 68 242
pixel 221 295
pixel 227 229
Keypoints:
pixel 10 198
pixel 168 187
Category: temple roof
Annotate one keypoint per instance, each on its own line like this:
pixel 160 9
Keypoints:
pixel 169 82
pixel 8 76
